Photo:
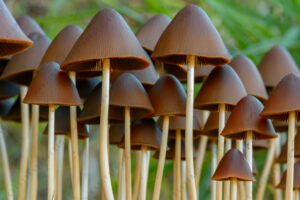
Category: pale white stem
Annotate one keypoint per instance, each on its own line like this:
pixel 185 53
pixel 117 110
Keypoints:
pixel 137 175
pixel 127 154
pixel 249 157
pixel 276 171
pixel 296 194
pixel 241 186
pixel 29 167
pixel 70 161
pixel 51 166
pixel 227 183
pixel 290 157
pixel 144 176
pixel 214 163
pixel 183 181
pixel 120 174
pixel 85 169
pixel 104 160
pixel 177 168
pixel 162 157
pixel 234 189
pixel 25 145
pixel 59 162
pixel 5 166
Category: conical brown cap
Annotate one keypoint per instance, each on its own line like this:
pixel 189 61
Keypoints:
pixel 191 32
pixel 233 165
pixel 52 87
pixel 296 184
pixel 275 65
pixel 284 99
pixel 127 91
pixel 116 134
pixel 178 123
pixel 282 158
pixel 12 38
pixel 150 32
pixel 222 86
pixel 179 71
pixel 168 96
pixel 245 117
pixel 282 126
pixel 201 73
pixel 106 36
pixel 3 63
pixel 8 90
pixel 249 75
pixel 21 67
pixel 144 132
pixel 29 25
pixel 85 87
pixel 260 144
pixel 62 123
pixel 5 106
pixel 211 127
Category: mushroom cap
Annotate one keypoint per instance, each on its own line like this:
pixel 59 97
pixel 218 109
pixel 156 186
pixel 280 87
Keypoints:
pixel 29 25
pixel 21 67
pixel 127 91
pixel 179 71
pixel 191 32
pixel 282 158
pixel 12 39
pixel 200 73
pixel 222 86
pixel 250 76
pixel 296 184
pixel 283 126
pixel 178 123
pixel 150 32
pixel 260 144
pixel 3 63
pixel 106 36
pixel 5 106
pixel 245 117
pixel 144 132
pixel 168 97
pixel 276 64
pixel 116 134
pixel 211 127
pixel 62 123
pixel 233 165
pixel 85 87
pixel 8 90
pixel 51 86
pixel 285 98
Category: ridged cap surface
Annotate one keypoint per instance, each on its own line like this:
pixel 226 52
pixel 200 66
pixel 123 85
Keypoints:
pixel 85 87
pixel 116 134
pixel 29 25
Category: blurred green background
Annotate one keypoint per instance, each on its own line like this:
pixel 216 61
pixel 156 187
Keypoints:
pixel 247 27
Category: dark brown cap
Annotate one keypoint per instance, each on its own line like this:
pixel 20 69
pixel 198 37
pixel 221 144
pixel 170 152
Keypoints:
pixel 116 134
pixel 170 154
pixel 151 31
pixel 296 184
pixel 211 127
pixel 3 63
pixel 85 87
pixel 284 99
pixel 276 64
pixel 282 158
pixel 144 132
pixel 51 86
pixel 222 86
pixel 21 67
pixel 168 97
pixel 245 117
pixel 106 36
pixel 201 73
pixel 250 76
pixel 8 90
pixel 44 113
pixel 191 32
pixel 179 71
pixel 12 38
pixel 260 144
pixel 127 91
pixel 233 165
pixel 178 123
pixel 5 106
pixel 62 123
pixel 282 126
pixel 29 25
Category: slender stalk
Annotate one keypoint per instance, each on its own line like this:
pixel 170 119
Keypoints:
pixel 214 163
pixel 137 175
pixel 276 171
pixel 227 183
pixel 290 158
pixel 234 189
pixel 51 166
pixel 70 161
pixel 85 169
pixel 5 166
pixel 249 157
pixel 127 154
pixel 241 186
pixel 296 194
pixel 104 165
pixel 177 168
pixel 25 145
pixel 144 176
pixel 162 157
pixel 60 139
pixel 120 174
pixel 183 180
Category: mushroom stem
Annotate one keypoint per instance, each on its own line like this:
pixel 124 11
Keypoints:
pixel 162 158
pixel 85 169
pixel 290 157
pixel 234 189
pixel 5 166
pixel 74 140
pixel 241 186
pixel 59 162
pixel 70 161
pixel 144 172
pixel 249 159
pixel 51 166
pixel 120 174
pixel 189 129
pixel 220 146
pixel 296 193
pixel 137 175
pixel 183 180
pixel 276 172
pixel 25 145
pixel 227 183
pixel 103 146
pixel 34 152
pixel 214 161
pixel 266 170
pixel 127 154
pixel 177 168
